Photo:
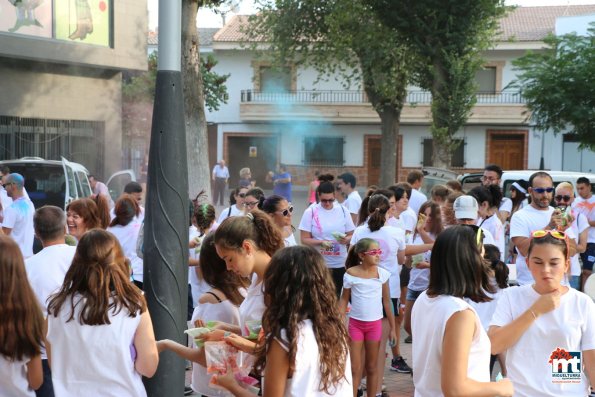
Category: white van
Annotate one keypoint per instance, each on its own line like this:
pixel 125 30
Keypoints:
pixel 53 182
pixel 469 181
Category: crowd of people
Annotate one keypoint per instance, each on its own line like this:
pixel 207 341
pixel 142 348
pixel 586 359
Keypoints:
pixel 318 317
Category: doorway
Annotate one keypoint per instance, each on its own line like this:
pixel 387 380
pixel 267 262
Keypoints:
pixel 507 150
pixel 259 153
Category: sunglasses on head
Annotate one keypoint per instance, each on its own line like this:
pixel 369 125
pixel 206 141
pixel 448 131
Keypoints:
pixel 327 200
pixel 541 190
pixel 241 195
pixel 287 211
pixel 557 234
pixel 373 252
pixel 562 198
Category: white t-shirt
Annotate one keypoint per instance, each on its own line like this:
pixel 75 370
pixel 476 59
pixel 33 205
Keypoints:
pixel 305 380
pixel 485 310
pixel 494 225
pixel 506 205
pixel 107 351
pixel 406 221
pixel 428 323
pixel 570 327
pixel 587 208
pixel 578 226
pixel 46 271
pixel 366 295
pixel 353 202
pixel 223 311
pixel 419 279
pixel 4 199
pixel 226 213
pixel 253 306
pixel 13 378
pixel 321 224
pixel 522 224
pixel 290 241
pixel 391 240
pixel 416 200
pixel 127 236
pixel 19 218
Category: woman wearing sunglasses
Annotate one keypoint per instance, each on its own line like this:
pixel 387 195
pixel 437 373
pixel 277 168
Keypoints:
pixel 280 211
pixel 546 328
pixel 327 226
pixel 236 204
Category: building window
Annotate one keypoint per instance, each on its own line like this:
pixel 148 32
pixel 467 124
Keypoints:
pixel 270 78
pixel 486 80
pixel 77 140
pixel 458 157
pixel 323 151
pixel 275 79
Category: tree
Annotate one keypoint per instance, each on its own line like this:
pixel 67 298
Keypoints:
pixel 448 38
pixel 558 87
pixel 341 37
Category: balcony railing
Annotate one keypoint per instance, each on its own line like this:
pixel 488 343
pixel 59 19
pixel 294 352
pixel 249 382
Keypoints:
pixel 346 96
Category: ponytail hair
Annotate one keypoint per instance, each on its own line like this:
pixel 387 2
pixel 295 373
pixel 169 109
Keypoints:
pixel 378 206
pixel 353 255
pixel 255 226
pixel 103 208
pixel 492 256
pixel 204 215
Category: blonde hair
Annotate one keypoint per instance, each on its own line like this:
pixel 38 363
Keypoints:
pixel 565 185
pixel 244 171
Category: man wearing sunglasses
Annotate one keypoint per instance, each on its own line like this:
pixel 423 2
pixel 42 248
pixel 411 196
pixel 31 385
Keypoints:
pixel 18 218
pixel 539 215
pixel 564 198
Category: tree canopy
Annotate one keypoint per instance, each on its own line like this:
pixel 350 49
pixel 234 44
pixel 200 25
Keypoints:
pixel 558 85
pixel 341 38
pixel 447 38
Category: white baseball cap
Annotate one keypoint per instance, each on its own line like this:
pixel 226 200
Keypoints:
pixel 465 207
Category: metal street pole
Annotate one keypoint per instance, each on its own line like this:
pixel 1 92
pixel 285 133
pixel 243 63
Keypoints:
pixel 165 278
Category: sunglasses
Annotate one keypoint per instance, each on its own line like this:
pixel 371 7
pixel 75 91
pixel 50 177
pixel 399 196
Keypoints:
pixel 252 204
pixel 562 198
pixel 541 190
pixel 373 252
pixel 287 211
pixel 327 201
pixel 8 184
pixel 557 234
pixel 241 195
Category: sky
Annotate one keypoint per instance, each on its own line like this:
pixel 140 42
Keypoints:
pixel 208 19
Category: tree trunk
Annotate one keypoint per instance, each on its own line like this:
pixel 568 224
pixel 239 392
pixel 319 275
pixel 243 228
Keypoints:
pixel 390 121
pixel 441 135
pixel 197 146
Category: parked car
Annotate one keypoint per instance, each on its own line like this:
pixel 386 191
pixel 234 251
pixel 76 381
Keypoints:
pixel 435 176
pixel 469 181
pixel 53 182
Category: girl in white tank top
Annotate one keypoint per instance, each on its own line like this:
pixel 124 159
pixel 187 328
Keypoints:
pixel 451 350
pixel 100 317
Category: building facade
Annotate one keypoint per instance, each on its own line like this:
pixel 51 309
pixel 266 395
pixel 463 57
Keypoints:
pixel 288 116
pixel 61 70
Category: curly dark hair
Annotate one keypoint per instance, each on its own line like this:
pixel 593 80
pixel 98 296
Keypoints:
pixel 298 287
